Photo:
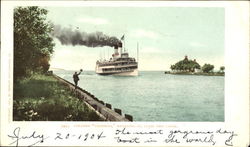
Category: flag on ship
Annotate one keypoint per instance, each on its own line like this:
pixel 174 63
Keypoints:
pixel 122 38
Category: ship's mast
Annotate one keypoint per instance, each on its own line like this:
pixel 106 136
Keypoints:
pixel 123 44
pixel 100 55
pixel 104 54
pixel 108 53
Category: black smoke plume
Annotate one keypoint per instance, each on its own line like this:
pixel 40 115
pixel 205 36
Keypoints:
pixel 68 36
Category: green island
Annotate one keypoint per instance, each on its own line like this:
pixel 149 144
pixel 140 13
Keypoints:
pixel 192 67
pixel 37 95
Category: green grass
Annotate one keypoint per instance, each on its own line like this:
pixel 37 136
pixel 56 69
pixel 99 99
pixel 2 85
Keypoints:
pixel 43 98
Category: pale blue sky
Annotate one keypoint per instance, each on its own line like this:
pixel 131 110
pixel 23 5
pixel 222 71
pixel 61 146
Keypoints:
pixel 165 34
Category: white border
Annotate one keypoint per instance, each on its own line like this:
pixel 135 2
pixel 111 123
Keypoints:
pixel 236 79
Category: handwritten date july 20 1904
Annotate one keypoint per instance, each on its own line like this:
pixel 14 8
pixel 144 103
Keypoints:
pixel 34 138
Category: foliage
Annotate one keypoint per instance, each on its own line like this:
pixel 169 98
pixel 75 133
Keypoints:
pixel 33 44
pixel 185 65
pixel 207 68
pixel 222 68
pixel 41 98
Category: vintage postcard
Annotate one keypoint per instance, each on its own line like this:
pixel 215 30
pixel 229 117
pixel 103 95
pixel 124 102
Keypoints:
pixel 131 73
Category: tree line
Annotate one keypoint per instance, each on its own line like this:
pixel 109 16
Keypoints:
pixel 33 44
pixel 187 65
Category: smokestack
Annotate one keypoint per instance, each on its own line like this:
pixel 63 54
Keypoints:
pixel 120 44
pixel 116 50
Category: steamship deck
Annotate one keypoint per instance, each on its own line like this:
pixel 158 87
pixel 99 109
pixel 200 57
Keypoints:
pixel 119 64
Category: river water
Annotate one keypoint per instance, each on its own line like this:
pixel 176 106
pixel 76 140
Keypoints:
pixel 155 96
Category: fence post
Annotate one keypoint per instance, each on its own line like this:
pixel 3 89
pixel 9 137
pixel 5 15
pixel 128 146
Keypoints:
pixel 119 111
pixel 129 117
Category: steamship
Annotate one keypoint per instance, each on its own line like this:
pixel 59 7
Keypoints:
pixel 119 64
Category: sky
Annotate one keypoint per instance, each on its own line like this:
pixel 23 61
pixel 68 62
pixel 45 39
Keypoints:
pixel 164 35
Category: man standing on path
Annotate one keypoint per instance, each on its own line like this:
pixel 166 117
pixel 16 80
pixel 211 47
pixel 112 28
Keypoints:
pixel 76 78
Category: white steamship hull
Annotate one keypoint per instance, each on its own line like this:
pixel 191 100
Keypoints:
pixel 119 73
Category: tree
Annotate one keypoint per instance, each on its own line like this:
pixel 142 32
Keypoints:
pixel 172 67
pixel 186 65
pixel 33 44
pixel 207 68
pixel 222 68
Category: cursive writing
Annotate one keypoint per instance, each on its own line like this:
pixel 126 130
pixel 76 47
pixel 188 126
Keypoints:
pixel 172 139
pixel 229 141
pixel 125 132
pixel 150 140
pixel 131 140
pixel 34 137
pixel 124 136
pixel 186 133
pixel 209 139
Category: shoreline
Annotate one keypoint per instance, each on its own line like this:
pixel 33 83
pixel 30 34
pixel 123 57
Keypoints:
pixel 101 108
pixel 195 74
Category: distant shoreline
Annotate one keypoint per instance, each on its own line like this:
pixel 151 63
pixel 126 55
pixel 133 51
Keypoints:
pixel 55 69
pixel 196 74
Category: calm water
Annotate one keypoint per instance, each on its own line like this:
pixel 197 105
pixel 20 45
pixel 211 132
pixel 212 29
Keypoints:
pixel 155 96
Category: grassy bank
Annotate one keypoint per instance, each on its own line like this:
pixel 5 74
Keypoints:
pixel 42 98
